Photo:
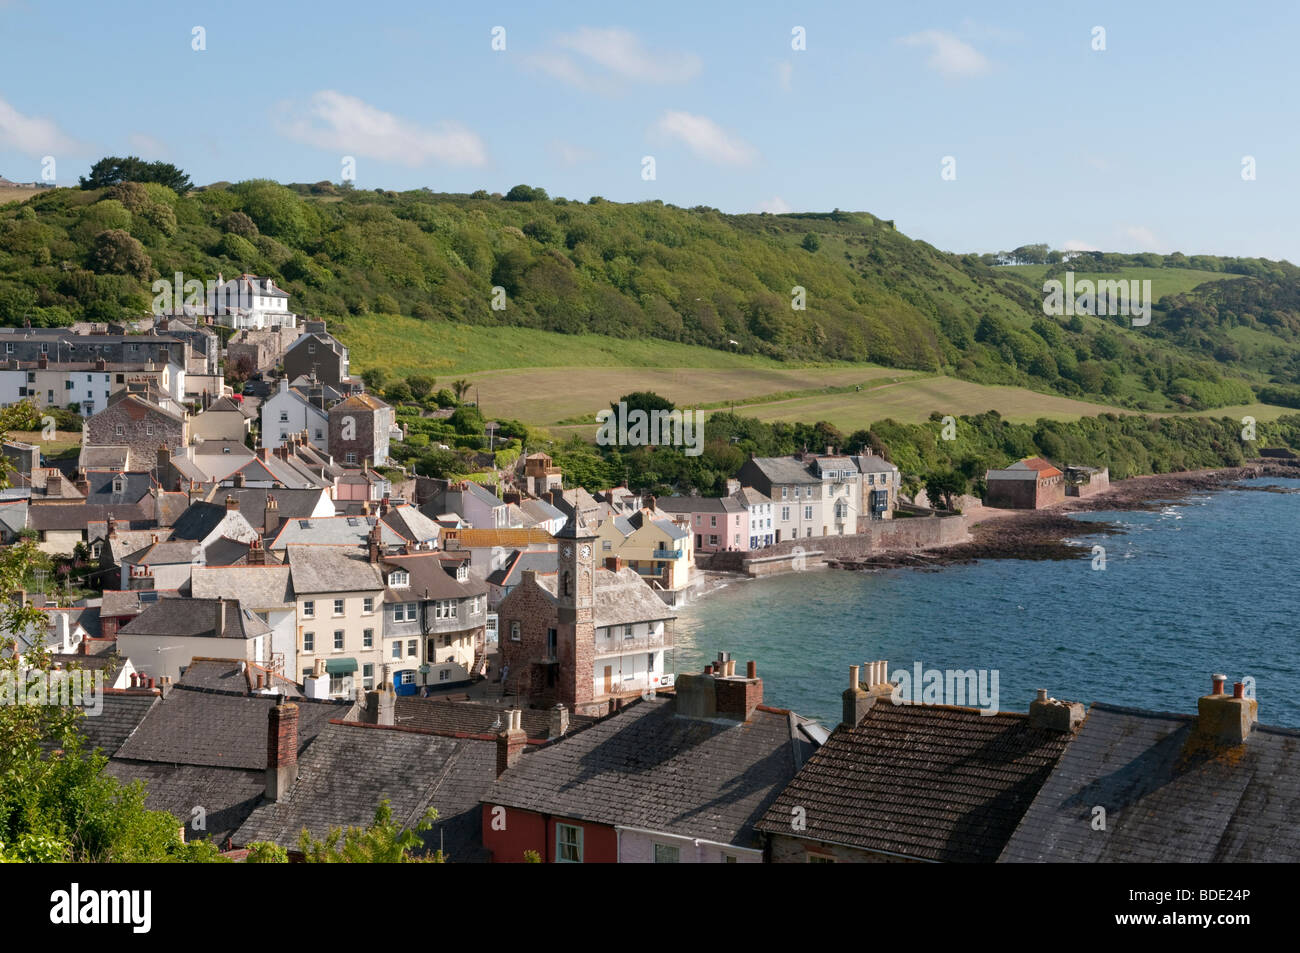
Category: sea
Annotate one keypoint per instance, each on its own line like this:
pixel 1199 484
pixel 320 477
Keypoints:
pixel 1202 584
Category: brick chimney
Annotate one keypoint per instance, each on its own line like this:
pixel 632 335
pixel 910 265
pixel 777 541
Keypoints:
pixel 1226 719
pixel 510 741
pixel 82 483
pixel 720 692
pixel 238 479
pixel 272 520
pixel 1054 714
pixel 559 722
pixel 281 750
pixel 256 554
pixel 232 504
pixel 613 563
pixel 373 540
pixel 383 505
pixel 42 362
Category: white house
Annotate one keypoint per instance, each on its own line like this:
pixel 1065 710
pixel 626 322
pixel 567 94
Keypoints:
pixel 289 411
pixel 250 302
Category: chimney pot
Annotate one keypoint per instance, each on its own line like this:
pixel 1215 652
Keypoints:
pixel 853 676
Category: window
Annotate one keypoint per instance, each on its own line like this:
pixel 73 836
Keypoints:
pixel 308 609
pixel 819 859
pixel 284 416
pixel 514 631
pixel 352 458
pixel 462 573
pixel 309 641
pixel 338 606
pixel 399 579
pixel 397 649
pixel 445 609
pixel 413 648
pixel 713 521
pixel 368 605
pixel 444 675
pixel 118 431
pixel 784 491
pixel 338 684
pixel 627 632
pixel 338 640
pixel 713 540
pixel 729 859
pixel 568 844
pixel 148 430
pixel 796 493
pixel 737 539
pixel 785 513
pixel 368 676
pixel 807 512
pixel 367 638
pixel 667 854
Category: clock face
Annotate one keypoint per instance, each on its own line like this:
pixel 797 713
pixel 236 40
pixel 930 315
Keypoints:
pixel 586 552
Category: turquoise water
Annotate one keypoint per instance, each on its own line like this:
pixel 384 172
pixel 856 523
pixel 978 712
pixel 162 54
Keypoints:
pixel 1205 584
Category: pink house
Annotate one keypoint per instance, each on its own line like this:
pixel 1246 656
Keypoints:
pixel 718 524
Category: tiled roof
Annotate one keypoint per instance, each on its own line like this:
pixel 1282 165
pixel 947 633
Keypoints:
pixel 935 783
pixel 785 470
pixel 428 579
pixel 646 767
pixel 1168 796
pixel 227 795
pixel 413 770
pixel 508 538
pixel 234 676
pixel 121 714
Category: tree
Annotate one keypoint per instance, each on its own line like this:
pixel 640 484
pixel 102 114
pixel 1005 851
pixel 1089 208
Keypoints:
pixel 116 252
pixel 374 378
pixel 811 242
pixel 114 169
pixel 461 387
pixel 383 842
pixel 526 193
pixel 421 386
pixel 645 400
pixel 945 484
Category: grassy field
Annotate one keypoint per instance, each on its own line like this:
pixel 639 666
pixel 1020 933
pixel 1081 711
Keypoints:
pixel 1164 281
pixel 63 442
pixel 405 346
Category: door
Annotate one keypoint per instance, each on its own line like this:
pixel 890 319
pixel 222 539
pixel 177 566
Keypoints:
pixel 609 680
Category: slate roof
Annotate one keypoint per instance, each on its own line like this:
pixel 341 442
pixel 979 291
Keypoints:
pixel 1168 796
pixel 411 524
pixel 539 511
pixel 871 463
pixel 428 579
pixel 291 504
pixel 931 782
pixel 785 470
pixel 333 531
pixel 122 713
pixel 698 504
pixel 233 676
pixel 331 569
pixel 123 602
pixel 256 587
pixel 218 729
pixel 621 598
pixel 196 618
pixel 228 795
pixel 198 520
pixel 512 572
pixel 413 770
pixel 646 767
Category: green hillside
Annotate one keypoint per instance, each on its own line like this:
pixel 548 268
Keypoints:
pixel 652 275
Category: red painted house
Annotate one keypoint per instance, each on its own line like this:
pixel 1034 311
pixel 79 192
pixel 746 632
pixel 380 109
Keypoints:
pixel 675 778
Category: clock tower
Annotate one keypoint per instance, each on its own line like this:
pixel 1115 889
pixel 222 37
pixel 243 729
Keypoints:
pixel 576 602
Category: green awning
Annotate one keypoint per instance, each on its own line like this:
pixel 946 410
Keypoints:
pixel 340 666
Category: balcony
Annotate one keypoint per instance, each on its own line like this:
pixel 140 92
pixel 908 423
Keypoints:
pixel 667 554
pixel 619 644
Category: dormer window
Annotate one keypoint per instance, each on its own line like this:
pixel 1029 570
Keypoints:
pixel 462 573
pixel 118 484
pixel 399 579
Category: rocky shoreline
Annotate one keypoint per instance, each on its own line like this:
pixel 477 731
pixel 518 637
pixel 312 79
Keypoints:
pixel 1042 534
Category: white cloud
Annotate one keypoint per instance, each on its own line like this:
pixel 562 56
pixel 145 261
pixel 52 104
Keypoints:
pixel 569 154
pixel 334 120
pixel 595 56
pixel 784 73
pixel 949 56
pixel 705 138
pixel 30 135
pixel 1140 235
pixel 1075 244
pixel 776 205
pixel 147 146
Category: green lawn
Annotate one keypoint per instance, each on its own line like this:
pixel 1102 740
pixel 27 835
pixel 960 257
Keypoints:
pixel 1164 281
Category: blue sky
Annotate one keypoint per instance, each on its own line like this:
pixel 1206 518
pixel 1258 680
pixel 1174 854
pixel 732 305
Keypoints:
pixel 1135 147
